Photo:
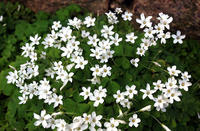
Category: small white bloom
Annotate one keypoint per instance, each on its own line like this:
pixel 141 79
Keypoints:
pixel 119 96
pixel 76 23
pixel 105 70
pixel 23 99
pixel 107 31
pixel 173 71
pixel 158 85
pixel 178 37
pixel 84 34
pixel 148 92
pixel 116 39
pixel 185 76
pixel 97 98
pixel 42 119
pixel 93 40
pixel 183 84
pixel 135 62
pixel 130 91
pixel 112 125
pixel 140 51
pixel 127 16
pixel 95 120
pixel 35 40
pixel 89 21
pixel 134 120
pixel 144 21
pixel 118 10
pixel 86 92
pixel 56 25
pixel 164 36
pixel 131 37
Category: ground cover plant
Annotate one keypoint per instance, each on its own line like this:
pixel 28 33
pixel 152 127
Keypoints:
pixel 79 71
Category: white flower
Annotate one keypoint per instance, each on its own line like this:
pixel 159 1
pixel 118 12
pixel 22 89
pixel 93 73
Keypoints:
pixel 67 77
pixel 35 40
pixel 96 71
pixel 95 80
pixel 48 42
pixel 81 63
pixel 58 66
pixel 134 120
pixel 178 37
pixel 96 52
pixel 27 49
pixel 112 125
pixel 97 98
pixel 160 102
pixel 112 18
pixel 89 21
pixel 126 103
pixel 119 96
pixel 164 36
pixel 159 28
pixel 62 125
pixel 171 83
pixel 185 76
pixel 183 84
pixel 95 120
pixel 148 92
pixel 173 71
pixel 84 34
pixel 73 44
pixel 12 77
pixel 149 32
pixel 42 119
pixel 130 91
pixel 118 10
pixel 101 91
pixel 116 39
pixel 66 52
pixel 75 22
pixel 144 21
pixel 86 92
pixel 127 16
pixel 107 31
pixel 65 33
pixel 57 100
pixel 105 70
pixel 140 51
pixel 56 25
pixel 93 40
pixel 86 118
pixel 23 99
pixel 131 37
pixel 135 62
pixel 158 85
pixel 78 124
pixel 174 95
pixel 165 20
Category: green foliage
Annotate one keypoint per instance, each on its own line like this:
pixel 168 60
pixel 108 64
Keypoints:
pixel 22 23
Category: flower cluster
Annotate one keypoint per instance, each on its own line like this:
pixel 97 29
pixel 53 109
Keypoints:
pixel 168 91
pixel 156 32
pixel 101 50
pixel 124 97
pixel 97 96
